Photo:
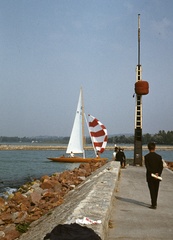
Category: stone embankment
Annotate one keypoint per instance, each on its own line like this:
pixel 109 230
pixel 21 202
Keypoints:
pixel 51 147
pixel 170 165
pixel 35 199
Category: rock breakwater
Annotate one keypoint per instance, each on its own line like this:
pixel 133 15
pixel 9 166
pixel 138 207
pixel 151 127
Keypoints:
pixel 39 197
pixel 170 165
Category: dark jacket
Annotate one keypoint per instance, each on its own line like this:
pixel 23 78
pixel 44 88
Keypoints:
pixel 153 164
pixel 120 156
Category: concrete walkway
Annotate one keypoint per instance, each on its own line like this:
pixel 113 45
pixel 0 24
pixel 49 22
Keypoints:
pixel 130 216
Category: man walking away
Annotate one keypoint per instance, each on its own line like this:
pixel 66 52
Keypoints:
pixel 154 167
pixel 120 157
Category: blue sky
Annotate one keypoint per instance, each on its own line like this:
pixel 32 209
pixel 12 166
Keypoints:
pixel 50 48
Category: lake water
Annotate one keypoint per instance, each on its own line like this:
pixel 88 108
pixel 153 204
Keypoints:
pixel 20 166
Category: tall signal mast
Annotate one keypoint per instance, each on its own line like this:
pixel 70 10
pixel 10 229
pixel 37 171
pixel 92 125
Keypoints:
pixel 141 88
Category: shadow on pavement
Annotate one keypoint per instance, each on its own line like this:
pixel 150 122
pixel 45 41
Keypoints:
pixel 132 201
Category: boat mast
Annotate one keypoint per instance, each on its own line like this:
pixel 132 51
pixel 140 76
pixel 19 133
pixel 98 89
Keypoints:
pixel 83 131
pixel 95 151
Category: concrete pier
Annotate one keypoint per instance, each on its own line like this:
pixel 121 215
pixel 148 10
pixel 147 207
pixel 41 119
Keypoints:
pixel 120 199
pixel 93 199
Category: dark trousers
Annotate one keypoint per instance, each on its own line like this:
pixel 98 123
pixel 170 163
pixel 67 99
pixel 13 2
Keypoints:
pixel 154 188
pixel 123 163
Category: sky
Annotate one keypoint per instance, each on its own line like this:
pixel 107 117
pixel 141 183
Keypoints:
pixel 51 48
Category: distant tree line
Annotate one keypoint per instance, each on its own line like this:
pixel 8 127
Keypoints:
pixel 46 139
pixel 162 137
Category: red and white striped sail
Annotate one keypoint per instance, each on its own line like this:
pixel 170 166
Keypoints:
pixel 98 133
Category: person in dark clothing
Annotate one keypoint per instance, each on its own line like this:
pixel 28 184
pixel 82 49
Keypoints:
pixel 153 164
pixel 115 152
pixel 120 157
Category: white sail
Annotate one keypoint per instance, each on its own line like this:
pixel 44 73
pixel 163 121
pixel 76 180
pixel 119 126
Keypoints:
pixel 76 139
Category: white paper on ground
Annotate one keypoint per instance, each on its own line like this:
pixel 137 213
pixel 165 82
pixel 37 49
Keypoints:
pixel 87 221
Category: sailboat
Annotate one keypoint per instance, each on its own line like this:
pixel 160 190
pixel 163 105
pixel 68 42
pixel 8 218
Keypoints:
pixel 98 134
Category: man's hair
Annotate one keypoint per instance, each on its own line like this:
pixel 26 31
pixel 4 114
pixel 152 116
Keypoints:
pixel 151 146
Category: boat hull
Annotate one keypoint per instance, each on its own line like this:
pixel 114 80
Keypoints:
pixel 75 159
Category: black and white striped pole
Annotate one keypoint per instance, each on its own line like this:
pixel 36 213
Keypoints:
pixel 141 88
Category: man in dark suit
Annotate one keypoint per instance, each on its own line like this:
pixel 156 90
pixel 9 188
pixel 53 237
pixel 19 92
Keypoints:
pixel 154 165
pixel 120 157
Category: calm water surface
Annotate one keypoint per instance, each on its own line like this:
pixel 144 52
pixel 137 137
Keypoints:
pixel 18 167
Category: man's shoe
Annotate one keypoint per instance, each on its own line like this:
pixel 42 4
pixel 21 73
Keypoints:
pixel 152 207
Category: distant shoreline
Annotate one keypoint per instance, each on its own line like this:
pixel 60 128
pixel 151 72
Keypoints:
pixel 6 147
